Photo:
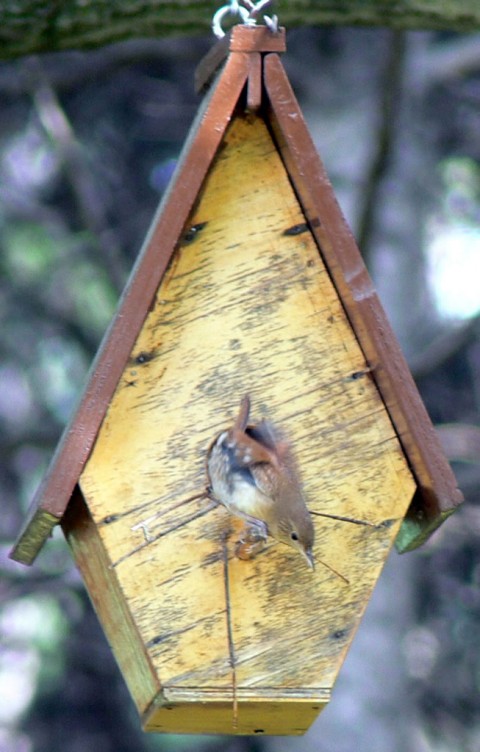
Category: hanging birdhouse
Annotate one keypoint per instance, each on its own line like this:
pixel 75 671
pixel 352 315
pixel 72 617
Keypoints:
pixel 249 283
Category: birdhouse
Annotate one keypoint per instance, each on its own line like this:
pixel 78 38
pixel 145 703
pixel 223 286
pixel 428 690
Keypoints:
pixel 249 282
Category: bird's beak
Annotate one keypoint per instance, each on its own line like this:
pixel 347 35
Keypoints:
pixel 309 558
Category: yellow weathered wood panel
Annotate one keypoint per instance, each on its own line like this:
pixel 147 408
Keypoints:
pixel 259 715
pixel 107 598
pixel 245 306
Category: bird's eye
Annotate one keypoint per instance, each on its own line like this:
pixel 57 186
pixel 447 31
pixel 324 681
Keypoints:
pixel 294 535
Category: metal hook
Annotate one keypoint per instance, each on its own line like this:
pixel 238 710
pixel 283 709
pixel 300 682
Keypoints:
pixel 247 14
pixel 234 8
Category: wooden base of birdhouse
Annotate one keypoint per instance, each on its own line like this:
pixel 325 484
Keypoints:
pixel 253 712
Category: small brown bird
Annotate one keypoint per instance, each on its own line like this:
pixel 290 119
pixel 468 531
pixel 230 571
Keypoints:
pixel 252 473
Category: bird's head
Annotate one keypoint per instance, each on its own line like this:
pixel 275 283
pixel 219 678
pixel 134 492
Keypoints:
pixel 296 530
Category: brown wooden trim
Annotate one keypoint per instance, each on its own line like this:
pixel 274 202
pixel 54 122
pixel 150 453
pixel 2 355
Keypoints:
pixel 239 39
pixel 254 87
pixel 439 492
pixel 256 39
pixel 79 436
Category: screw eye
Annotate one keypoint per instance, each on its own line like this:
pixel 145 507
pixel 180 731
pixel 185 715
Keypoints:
pixel 294 536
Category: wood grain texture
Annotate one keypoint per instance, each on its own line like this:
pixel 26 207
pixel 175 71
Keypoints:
pixel 73 450
pixel 107 598
pixel 245 306
pixel 251 39
pixel 438 494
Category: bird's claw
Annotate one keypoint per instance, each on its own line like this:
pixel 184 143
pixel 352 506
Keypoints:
pixel 252 542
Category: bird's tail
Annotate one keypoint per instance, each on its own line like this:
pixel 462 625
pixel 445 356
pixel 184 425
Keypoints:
pixel 243 415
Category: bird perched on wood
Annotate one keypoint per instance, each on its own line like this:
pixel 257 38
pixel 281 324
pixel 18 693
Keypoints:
pixel 252 472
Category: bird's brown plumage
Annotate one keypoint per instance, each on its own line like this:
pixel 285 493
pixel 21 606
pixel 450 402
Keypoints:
pixel 252 472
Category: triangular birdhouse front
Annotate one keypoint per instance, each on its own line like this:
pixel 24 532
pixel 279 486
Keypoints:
pixel 249 282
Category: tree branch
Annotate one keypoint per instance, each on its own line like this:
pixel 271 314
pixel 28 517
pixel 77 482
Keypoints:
pixel 32 26
pixel 390 101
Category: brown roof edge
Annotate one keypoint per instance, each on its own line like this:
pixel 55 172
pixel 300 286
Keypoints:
pixel 436 481
pixel 256 39
pixel 438 493
pixel 74 449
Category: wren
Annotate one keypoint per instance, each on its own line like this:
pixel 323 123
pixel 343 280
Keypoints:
pixel 252 472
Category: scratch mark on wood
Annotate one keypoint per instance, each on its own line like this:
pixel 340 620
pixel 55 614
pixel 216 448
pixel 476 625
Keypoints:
pixel 160 638
pixel 231 645
pixel 172 529
pixel 144 527
pixel 146 504
pixel 145 524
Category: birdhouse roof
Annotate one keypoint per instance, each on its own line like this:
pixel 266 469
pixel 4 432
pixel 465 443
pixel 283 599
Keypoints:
pixel 252 66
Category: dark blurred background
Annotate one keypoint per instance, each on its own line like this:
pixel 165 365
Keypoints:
pixel 88 142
